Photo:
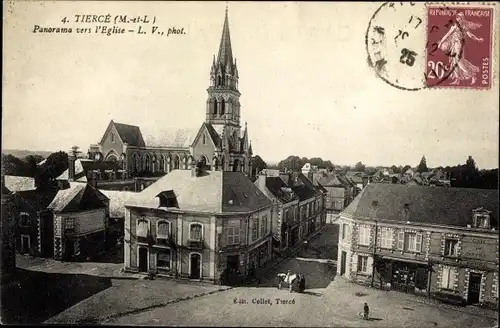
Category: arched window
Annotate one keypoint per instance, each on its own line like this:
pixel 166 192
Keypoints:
pixel 236 165
pixel 162 163
pixel 222 107
pixel 204 139
pixel 176 162
pixel 112 137
pixel 214 106
pixel 137 162
pixel 219 81
pixel 146 163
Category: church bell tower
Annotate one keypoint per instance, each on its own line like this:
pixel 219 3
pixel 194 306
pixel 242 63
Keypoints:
pixel 223 103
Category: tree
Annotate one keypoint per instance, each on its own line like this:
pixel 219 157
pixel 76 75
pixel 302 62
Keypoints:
pixel 405 168
pixel 291 163
pixel 395 169
pixel 328 165
pixel 53 167
pixel 258 164
pixel 422 167
pixel 359 167
pixel 11 165
pixel 32 164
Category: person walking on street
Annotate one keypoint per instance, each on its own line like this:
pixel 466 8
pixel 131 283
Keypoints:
pixel 366 311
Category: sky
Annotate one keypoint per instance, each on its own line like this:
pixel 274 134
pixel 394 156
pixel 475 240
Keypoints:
pixel 306 86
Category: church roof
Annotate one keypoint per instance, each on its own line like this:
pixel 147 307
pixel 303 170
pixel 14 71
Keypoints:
pixel 216 137
pixel 213 192
pixel 170 137
pixel 130 134
pixel 225 52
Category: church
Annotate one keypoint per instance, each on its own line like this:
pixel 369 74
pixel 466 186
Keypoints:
pixel 220 144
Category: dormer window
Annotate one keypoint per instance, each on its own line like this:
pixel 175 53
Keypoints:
pixel 168 199
pixel 481 218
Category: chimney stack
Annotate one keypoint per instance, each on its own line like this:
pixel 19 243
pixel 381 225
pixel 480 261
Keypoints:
pixel 71 167
pixel 262 181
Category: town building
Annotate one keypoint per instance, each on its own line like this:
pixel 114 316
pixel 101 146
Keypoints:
pixel 198 224
pixel 8 227
pixel 35 222
pixel 435 241
pixel 286 204
pixel 312 215
pixel 221 142
pixel 80 216
pixel 339 192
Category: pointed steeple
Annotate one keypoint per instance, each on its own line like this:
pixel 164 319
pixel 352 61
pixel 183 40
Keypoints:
pixel 225 52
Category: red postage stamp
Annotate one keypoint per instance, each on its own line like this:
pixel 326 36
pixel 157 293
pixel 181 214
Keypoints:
pixel 459 49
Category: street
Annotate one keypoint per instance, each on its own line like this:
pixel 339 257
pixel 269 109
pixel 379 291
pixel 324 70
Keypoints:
pixel 326 302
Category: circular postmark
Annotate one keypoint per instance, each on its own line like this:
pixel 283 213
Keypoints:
pixel 399 42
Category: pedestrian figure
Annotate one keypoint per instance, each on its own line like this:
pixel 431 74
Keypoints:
pixel 366 311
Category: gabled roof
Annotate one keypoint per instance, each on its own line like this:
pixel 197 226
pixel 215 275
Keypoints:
pixel 78 197
pixel 216 138
pixel 428 205
pixel 302 186
pixel 17 183
pixel 131 134
pixel 117 200
pixel 35 200
pixel 213 192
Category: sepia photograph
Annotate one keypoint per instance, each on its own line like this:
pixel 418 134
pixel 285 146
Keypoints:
pixel 251 164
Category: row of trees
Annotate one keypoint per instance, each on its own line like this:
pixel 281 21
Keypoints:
pixel 55 164
pixel 295 163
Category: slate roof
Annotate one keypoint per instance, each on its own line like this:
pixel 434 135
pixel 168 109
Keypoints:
pixel 35 200
pixel 78 197
pixel 216 137
pixel 17 183
pixel 278 188
pixel 213 192
pixel 130 134
pixel 117 200
pixel 170 137
pixel 83 166
pixel 430 205
pixel 301 185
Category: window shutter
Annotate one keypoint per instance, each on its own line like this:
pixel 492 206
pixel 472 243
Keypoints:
pixel 445 275
pixel 418 246
pixel 355 262
pixel 401 240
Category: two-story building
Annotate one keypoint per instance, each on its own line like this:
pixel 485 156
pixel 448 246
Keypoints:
pixel 286 211
pixel 198 224
pixel 80 217
pixel 423 240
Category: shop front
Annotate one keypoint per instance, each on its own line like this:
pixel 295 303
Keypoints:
pixel 404 276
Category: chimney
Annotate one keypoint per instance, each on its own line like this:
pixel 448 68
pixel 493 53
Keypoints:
pixel 262 181
pixel 71 167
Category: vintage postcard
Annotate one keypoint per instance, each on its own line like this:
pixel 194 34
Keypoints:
pixel 274 164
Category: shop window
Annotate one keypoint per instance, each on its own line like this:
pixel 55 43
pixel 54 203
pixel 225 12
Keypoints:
pixel 164 259
pixel 364 235
pixel 362 264
pixel 451 247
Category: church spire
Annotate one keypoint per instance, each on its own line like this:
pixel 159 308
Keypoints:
pixel 225 52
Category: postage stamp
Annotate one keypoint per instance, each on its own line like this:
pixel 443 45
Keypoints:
pixel 414 46
pixel 459 43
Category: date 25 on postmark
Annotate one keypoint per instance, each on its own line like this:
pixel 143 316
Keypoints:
pixel 459 43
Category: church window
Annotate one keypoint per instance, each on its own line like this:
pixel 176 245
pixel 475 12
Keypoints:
pixel 204 139
pixel 214 106
pixel 219 82
pixel 222 107
pixel 112 137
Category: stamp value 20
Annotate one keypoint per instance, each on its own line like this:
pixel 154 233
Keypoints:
pixel 459 43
